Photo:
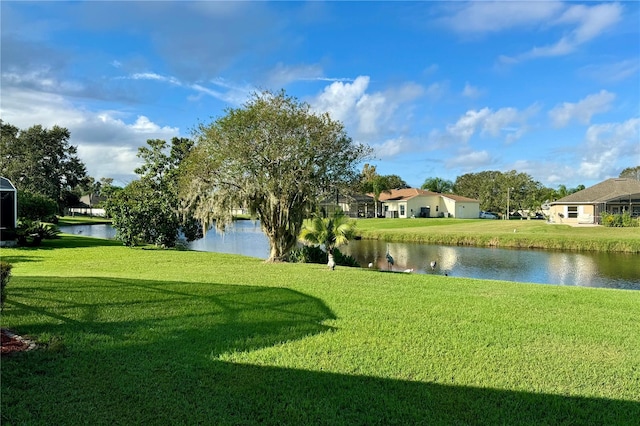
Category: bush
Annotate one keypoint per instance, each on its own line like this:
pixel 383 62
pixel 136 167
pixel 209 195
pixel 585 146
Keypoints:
pixel 620 220
pixel 33 206
pixel 308 254
pixel 31 234
pixel 314 254
pixel 5 275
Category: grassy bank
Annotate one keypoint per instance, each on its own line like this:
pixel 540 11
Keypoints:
pixel 82 220
pixel 498 233
pixel 133 336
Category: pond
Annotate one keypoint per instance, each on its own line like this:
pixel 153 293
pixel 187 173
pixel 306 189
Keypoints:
pixel 610 270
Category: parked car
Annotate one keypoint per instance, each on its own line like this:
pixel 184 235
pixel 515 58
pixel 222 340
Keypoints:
pixel 487 215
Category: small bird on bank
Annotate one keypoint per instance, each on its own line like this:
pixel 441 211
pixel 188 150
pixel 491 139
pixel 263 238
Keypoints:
pixel 433 265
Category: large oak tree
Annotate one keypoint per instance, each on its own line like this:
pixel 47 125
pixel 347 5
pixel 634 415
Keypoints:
pixel 274 156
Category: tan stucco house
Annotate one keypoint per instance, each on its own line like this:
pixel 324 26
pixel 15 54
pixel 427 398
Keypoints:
pixel 413 202
pixel 616 195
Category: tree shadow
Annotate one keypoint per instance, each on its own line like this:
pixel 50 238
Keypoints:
pixel 147 352
pixel 71 241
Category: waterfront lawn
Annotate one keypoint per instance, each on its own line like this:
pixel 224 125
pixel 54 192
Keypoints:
pixel 135 336
pixel 82 220
pixel 502 233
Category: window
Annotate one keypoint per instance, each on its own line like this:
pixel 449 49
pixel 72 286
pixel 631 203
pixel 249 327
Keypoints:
pixel 437 208
pixel 402 209
pixel 572 212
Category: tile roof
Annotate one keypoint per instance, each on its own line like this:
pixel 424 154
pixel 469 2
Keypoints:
pixel 409 193
pixel 404 194
pixel 610 189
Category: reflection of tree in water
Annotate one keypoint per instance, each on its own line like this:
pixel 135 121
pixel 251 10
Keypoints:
pixel 609 270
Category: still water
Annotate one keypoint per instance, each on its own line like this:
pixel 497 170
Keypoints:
pixel 611 270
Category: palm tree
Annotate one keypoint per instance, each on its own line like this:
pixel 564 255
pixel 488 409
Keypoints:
pixel 436 184
pixel 330 232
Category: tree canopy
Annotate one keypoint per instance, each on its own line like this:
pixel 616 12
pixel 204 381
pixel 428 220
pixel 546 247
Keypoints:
pixel 436 184
pixel 631 172
pixel 149 210
pixel 41 161
pixel 274 156
pixel 497 190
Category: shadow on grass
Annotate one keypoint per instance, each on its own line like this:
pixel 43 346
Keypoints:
pixel 124 351
pixel 72 241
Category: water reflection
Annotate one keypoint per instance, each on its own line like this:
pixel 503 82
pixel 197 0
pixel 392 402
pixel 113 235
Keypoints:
pixel 97 231
pixel 536 266
pixel 612 270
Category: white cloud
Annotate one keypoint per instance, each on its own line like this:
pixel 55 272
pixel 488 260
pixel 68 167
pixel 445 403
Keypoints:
pixel 390 148
pixel 467 125
pixel 369 117
pixel 583 110
pixel 282 75
pixel 509 123
pixel 107 142
pixel 232 93
pixel 495 16
pixel 369 109
pixel 339 98
pixel 612 72
pixel 606 144
pixel 470 91
pixel 589 22
pixel 469 160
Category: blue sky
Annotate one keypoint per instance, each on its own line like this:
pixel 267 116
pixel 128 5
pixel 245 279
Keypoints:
pixel 438 89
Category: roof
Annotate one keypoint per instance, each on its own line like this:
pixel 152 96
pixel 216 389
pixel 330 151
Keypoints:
pixel 409 193
pixel 460 198
pixel 608 190
pixel 405 194
pixel 6 185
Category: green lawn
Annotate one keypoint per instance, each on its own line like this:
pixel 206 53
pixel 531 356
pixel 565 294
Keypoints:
pixel 135 336
pixel 502 233
pixel 82 220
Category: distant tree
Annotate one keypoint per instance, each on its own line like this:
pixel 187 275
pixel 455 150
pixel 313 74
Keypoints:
pixel 36 207
pixel 372 183
pixel 436 184
pixel 484 187
pixel 631 173
pixel 396 182
pixel 495 190
pixel 41 161
pixel 563 191
pixel 149 210
pixel 273 155
pixel 331 233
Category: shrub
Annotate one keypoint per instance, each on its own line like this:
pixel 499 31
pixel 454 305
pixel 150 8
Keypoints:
pixel 314 254
pixel 5 275
pixel 344 259
pixel 620 220
pixel 32 206
pixel 31 233
pixel 308 254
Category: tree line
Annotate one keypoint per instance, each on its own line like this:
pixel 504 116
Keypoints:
pixel 273 156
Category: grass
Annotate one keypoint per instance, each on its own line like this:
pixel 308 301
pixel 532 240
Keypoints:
pixel 134 336
pixel 499 233
pixel 82 220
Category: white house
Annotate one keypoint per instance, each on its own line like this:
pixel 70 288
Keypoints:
pixel 413 202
